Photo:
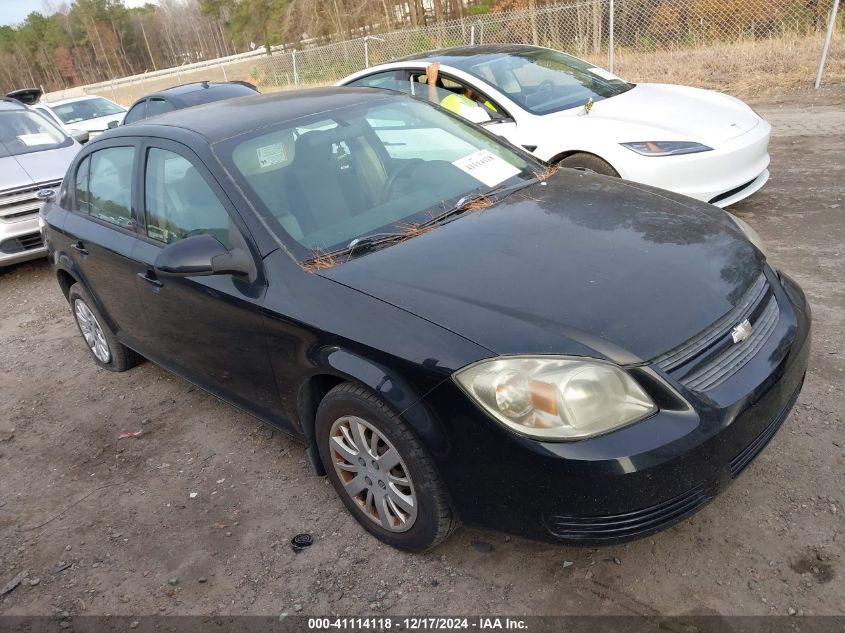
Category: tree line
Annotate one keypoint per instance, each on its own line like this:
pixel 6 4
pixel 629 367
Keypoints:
pixel 87 41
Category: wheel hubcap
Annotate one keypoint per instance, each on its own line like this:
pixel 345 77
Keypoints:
pixel 373 474
pixel 92 331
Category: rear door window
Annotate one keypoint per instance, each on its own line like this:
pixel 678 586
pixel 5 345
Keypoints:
pixel 81 186
pixel 110 185
pixel 390 80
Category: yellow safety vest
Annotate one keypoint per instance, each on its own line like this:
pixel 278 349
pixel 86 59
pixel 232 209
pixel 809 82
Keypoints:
pixel 454 102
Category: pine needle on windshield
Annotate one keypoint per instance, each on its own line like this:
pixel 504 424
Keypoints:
pixel 412 230
pixel 478 204
pixel 547 173
pixel 320 261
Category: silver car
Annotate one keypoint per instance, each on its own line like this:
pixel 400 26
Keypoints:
pixel 34 155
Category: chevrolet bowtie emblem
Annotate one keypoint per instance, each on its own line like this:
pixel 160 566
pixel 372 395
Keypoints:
pixel 742 331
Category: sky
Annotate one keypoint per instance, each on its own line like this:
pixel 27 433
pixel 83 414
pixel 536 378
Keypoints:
pixel 15 11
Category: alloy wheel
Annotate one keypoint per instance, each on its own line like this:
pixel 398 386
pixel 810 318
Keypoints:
pixel 92 331
pixel 373 474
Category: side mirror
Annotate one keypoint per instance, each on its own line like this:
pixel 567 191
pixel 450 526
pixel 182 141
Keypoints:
pixel 202 255
pixel 113 124
pixel 80 136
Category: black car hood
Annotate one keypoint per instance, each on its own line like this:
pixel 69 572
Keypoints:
pixel 584 264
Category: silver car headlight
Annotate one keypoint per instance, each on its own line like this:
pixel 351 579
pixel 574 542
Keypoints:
pixel 556 398
pixel 666 148
pixel 750 233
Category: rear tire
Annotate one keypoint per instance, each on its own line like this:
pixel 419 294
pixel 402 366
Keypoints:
pixel 589 162
pixel 107 351
pixel 380 471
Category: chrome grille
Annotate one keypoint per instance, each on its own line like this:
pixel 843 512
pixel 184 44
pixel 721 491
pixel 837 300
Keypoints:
pixel 683 353
pixel 727 364
pixel 711 357
pixel 21 204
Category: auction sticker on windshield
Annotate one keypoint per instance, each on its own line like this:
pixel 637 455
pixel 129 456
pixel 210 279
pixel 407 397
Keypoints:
pixel 40 138
pixel 271 155
pixel 486 167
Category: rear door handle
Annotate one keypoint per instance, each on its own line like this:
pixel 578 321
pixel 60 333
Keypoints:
pixel 150 280
pixel 79 246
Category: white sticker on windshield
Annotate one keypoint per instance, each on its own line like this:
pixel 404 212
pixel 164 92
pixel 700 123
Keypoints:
pixel 41 138
pixel 271 155
pixel 604 74
pixel 485 166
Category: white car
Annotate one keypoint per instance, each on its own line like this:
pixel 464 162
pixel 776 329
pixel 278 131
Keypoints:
pixel 34 156
pixel 92 114
pixel 700 143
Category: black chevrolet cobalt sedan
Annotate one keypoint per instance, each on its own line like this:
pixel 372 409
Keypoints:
pixel 455 332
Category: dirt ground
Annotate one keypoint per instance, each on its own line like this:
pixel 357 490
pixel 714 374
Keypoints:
pixel 103 525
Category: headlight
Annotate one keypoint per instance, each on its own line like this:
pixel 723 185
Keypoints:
pixel 666 148
pixel 750 233
pixel 556 398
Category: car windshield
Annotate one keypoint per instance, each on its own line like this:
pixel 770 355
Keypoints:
pixel 380 167
pixel 543 81
pixel 24 131
pixel 86 109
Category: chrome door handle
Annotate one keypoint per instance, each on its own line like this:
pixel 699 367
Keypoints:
pixel 150 280
pixel 79 246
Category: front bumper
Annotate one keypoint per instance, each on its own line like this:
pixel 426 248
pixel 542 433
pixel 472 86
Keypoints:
pixel 20 241
pixel 634 481
pixel 731 172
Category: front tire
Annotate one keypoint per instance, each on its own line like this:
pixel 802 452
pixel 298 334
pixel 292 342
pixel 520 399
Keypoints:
pixel 380 470
pixel 107 351
pixel 589 162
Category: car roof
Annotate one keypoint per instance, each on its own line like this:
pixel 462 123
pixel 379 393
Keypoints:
pixel 463 55
pixel 221 120
pixel 7 103
pixel 179 94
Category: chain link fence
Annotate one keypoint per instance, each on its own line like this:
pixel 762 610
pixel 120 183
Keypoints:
pixel 742 46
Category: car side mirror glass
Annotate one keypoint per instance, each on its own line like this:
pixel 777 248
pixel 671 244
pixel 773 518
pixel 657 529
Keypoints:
pixel 202 255
pixel 80 136
pixel 113 124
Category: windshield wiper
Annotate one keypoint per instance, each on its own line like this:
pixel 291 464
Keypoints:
pixel 360 244
pixel 369 242
pixel 374 241
pixel 464 202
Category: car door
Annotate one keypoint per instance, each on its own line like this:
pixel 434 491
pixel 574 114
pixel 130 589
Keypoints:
pixel 100 230
pixel 208 329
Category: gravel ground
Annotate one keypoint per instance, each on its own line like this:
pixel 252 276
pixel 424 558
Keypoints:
pixel 107 526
